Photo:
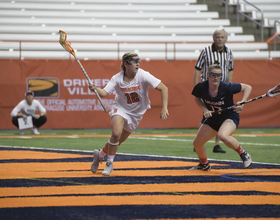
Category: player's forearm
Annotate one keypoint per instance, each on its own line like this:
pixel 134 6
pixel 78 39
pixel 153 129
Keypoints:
pixel 164 95
pixel 164 98
pixel 201 104
pixel 101 92
pixel 246 89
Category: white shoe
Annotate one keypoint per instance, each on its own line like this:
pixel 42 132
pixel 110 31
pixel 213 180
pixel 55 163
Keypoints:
pixel 96 161
pixel 108 169
pixel 22 132
pixel 204 167
pixel 34 131
pixel 246 158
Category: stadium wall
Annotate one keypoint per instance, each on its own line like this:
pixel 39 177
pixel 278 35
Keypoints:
pixel 61 87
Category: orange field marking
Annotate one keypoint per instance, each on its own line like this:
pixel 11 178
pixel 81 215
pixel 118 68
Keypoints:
pixel 136 188
pixel 133 135
pixel 139 200
pixel 82 169
pixel 24 154
pixel 67 187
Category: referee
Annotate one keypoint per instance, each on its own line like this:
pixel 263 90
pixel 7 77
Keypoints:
pixel 217 53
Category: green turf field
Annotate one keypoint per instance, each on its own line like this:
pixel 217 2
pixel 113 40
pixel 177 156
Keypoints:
pixel 263 143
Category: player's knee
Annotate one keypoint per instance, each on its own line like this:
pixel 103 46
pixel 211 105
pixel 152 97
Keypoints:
pixel 196 143
pixel 15 121
pixel 44 119
pixel 222 137
pixel 115 137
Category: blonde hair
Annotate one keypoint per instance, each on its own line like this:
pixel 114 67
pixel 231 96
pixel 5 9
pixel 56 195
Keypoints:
pixel 214 66
pixel 127 57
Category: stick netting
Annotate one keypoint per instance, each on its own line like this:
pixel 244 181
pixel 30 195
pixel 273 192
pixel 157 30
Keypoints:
pixel 63 42
pixel 274 91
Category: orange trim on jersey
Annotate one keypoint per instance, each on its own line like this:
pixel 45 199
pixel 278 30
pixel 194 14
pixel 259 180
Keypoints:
pixel 130 89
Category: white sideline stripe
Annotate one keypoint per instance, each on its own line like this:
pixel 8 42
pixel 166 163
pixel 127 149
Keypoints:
pixel 25 137
pixel 73 136
pixel 39 148
pixel 186 140
pixel 147 155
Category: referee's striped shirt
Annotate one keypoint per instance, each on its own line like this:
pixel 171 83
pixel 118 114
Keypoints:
pixel 210 55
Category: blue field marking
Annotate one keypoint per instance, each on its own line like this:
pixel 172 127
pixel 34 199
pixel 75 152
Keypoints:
pixel 129 212
pixel 256 178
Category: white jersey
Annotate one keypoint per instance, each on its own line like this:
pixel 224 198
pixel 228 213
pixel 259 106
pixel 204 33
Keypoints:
pixel 28 110
pixel 133 96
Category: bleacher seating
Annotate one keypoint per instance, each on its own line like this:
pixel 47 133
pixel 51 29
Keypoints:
pixel 269 17
pixel 73 22
pixel 264 7
pixel 94 6
pixel 145 2
pixel 105 29
pixel 163 31
pixel 269 8
pixel 271 12
pixel 118 15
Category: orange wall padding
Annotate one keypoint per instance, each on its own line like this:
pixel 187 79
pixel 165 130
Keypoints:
pixel 73 106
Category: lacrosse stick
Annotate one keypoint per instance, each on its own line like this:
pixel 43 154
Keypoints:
pixel 270 93
pixel 67 47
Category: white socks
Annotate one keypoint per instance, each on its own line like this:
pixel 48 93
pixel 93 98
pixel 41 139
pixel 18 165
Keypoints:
pixel 110 157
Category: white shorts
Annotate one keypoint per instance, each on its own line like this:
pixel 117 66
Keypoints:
pixel 131 120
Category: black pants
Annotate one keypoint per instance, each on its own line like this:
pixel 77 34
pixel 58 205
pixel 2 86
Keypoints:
pixel 36 122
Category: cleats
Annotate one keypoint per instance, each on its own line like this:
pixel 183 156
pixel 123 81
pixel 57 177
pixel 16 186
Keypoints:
pixel 108 169
pixel 96 161
pixel 22 132
pixel 218 149
pixel 203 167
pixel 95 164
pixel 246 158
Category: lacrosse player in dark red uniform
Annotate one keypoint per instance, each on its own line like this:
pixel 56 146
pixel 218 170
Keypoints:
pixel 212 95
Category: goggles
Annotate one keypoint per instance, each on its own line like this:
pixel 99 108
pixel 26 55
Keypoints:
pixel 216 75
pixel 136 60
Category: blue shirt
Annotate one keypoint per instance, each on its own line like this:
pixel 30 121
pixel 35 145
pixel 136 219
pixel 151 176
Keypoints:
pixel 223 99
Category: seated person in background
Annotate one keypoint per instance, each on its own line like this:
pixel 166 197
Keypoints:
pixel 28 107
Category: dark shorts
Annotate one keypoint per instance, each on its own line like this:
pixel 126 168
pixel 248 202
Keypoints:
pixel 216 123
pixel 36 122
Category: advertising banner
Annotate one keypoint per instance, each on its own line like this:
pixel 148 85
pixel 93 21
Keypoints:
pixel 61 87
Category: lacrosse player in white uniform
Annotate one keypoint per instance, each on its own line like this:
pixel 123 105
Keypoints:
pixel 131 102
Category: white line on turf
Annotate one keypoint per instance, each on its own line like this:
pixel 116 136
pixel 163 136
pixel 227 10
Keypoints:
pixel 73 136
pixel 191 140
pixel 146 155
